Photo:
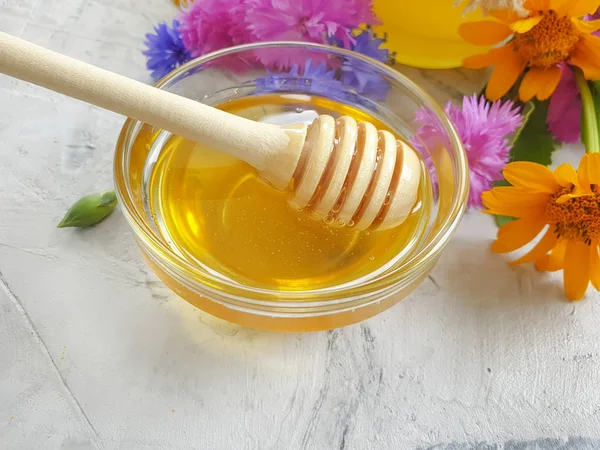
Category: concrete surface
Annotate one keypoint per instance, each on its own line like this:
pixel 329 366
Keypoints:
pixel 95 353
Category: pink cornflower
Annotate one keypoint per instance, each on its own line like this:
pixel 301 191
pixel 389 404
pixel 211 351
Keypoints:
pixel 209 25
pixel 303 20
pixel 483 128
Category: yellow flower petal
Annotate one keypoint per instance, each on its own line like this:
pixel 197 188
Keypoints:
pixel 583 180
pixel 507 16
pixel 518 211
pixel 505 73
pixel 491 58
pixel 566 197
pixel 565 175
pixel 518 196
pixel 585 26
pixel 588 172
pixel 518 233
pixel 557 5
pixel 540 83
pixel 514 202
pixel 577 269
pixel 523 26
pixel 547 243
pixel 531 176
pixel 487 32
pixel 595 266
pixel 586 56
pixel 578 8
pixel 554 260
pixel 537 5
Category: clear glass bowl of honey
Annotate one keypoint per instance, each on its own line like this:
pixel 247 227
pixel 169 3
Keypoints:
pixel 230 244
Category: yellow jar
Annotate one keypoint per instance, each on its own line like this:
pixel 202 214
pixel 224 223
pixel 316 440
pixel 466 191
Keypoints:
pixel 228 288
pixel 424 33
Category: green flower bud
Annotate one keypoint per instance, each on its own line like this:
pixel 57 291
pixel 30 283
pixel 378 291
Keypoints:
pixel 90 210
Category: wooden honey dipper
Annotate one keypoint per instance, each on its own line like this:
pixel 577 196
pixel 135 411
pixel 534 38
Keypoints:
pixel 339 170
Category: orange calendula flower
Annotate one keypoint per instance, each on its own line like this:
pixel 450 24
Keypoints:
pixel 564 204
pixel 552 32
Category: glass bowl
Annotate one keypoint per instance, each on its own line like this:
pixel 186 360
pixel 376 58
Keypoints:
pixel 360 82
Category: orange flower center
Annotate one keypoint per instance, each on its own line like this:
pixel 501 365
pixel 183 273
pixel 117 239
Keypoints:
pixel 549 42
pixel 577 219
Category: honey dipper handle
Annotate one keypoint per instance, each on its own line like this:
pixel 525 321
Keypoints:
pixel 272 150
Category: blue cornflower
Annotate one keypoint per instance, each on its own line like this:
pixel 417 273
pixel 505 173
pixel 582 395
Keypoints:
pixel 316 80
pixel 358 75
pixel 165 50
pixel 367 43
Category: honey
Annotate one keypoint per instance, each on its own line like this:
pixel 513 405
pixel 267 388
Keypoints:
pixel 215 212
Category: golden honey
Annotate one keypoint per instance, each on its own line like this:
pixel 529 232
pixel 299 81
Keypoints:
pixel 215 212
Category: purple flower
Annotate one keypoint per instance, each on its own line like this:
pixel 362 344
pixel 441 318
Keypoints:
pixel 165 50
pixel 210 25
pixel 483 128
pixel 564 110
pixel 311 79
pixel 359 75
pixel 367 43
pixel 303 20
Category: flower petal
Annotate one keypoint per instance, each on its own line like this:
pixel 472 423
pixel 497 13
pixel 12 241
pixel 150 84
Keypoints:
pixel 589 171
pixel 505 73
pixel 515 195
pixel 507 16
pixel 564 109
pixel 512 209
pixel 516 211
pixel 565 175
pixel 547 243
pixel 586 27
pixel 486 32
pixel 523 26
pixel 557 5
pixel 577 269
pixel 595 266
pixel 566 197
pixel 514 202
pixel 488 59
pixel 518 233
pixel 539 82
pixel 530 176
pixel 554 260
pixel 586 56
pixel 537 5
pixel 578 8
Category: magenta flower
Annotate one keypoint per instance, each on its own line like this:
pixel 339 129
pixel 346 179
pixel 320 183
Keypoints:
pixel 303 20
pixel 210 25
pixel 483 128
pixel 564 110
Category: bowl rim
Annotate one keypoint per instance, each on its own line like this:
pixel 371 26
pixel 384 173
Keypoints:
pixel 389 281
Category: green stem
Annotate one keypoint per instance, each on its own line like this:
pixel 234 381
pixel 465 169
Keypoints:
pixel 589 123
